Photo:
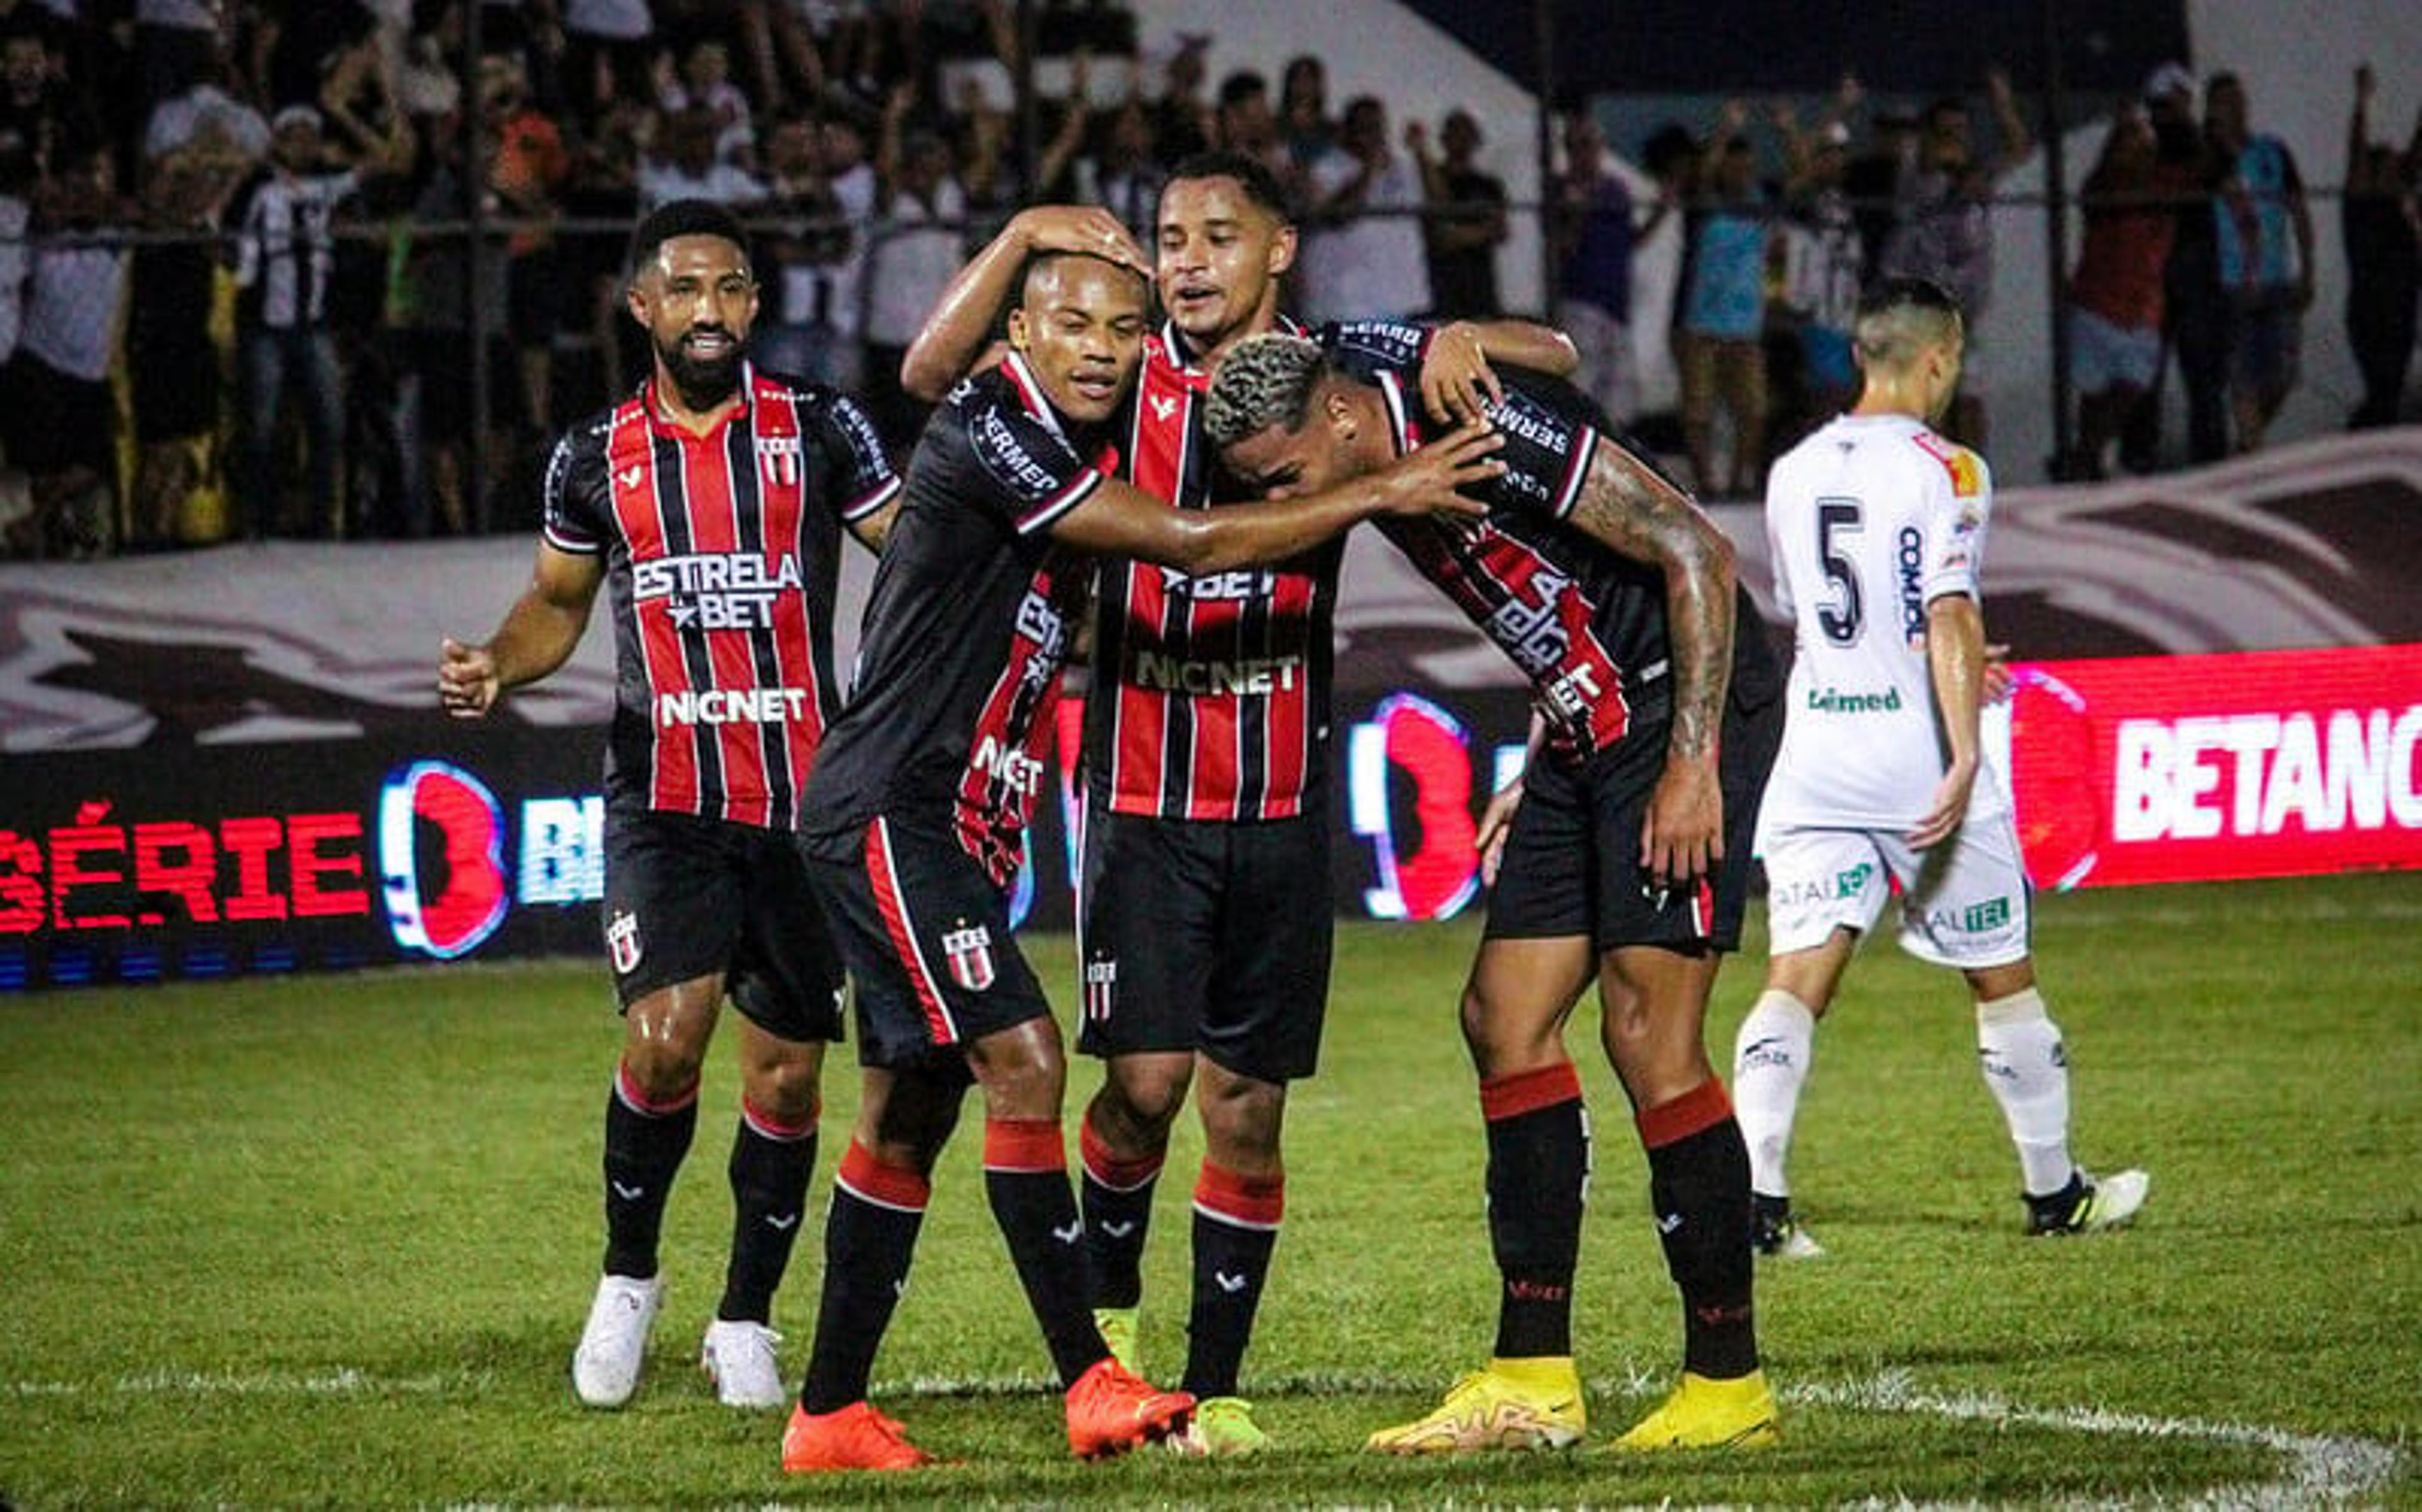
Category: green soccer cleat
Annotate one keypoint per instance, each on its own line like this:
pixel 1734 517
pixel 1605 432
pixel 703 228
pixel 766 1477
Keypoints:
pixel 1118 1326
pixel 1224 1427
pixel 1704 1413
pixel 1508 1404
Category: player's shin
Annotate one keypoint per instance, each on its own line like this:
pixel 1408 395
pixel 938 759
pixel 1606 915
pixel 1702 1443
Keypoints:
pixel 1538 1180
pixel 771 1162
pixel 1236 1223
pixel 2019 1050
pixel 1026 1177
pixel 1770 1060
pixel 1118 1215
pixel 1698 1187
pixel 645 1143
pixel 870 1238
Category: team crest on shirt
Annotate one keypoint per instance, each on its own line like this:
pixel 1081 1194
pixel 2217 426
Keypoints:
pixel 967 950
pixel 622 941
pixel 779 460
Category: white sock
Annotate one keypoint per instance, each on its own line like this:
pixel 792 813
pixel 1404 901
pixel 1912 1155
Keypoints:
pixel 1770 1060
pixel 2018 1049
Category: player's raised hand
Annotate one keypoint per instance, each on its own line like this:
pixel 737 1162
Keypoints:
pixel 466 680
pixel 1457 384
pixel 1683 837
pixel 1948 806
pixel 1088 230
pixel 1425 482
pixel 1496 823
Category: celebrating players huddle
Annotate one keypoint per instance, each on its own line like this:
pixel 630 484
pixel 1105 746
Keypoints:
pixel 1183 490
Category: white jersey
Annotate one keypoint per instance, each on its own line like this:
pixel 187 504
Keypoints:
pixel 1868 521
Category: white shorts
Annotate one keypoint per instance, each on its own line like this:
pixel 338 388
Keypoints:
pixel 1963 904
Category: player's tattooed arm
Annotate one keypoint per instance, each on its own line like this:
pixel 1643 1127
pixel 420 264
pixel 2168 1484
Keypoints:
pixel 1628 506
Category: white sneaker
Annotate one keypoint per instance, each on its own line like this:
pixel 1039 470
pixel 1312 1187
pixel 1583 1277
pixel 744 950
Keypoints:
pixel 605 1367
pixel 739 1359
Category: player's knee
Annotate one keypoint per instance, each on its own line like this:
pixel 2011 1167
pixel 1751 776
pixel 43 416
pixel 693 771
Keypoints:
pixel 662 1068
pixel 1241 1119
pixel 786 1087
pixel 1142 1100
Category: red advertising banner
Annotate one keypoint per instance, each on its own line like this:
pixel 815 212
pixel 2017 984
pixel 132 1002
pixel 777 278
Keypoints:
pixel 2174 769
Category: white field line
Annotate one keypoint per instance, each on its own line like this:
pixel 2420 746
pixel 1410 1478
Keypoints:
pixel 2315 1467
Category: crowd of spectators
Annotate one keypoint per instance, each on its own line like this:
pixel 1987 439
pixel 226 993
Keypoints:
pixel 238 294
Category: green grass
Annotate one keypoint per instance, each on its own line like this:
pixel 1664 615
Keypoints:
pixel 327 1242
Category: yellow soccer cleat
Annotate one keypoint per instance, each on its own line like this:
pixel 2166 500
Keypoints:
pixel 1509 1404
pixel 1224 1427
pixel 1118 1326
pixel 1709 1414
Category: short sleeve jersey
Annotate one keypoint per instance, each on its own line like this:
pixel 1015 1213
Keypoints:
pixel 1211 695
pixel 1869 521
pixel 1584 623
pixel 722 557
pixel 950 710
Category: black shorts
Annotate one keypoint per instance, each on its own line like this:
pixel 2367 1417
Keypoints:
pixel 1209 936
pixel 62 422
pixel 1572 859
pixel 689 898
pixel 927 939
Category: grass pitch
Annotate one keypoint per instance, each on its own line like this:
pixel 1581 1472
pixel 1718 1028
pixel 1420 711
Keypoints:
pixel 328 1241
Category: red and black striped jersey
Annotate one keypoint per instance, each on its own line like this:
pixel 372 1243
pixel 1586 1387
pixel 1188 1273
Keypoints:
pixel 722 557
pixel 1210 697
pixel 950 709
pixel 1585 623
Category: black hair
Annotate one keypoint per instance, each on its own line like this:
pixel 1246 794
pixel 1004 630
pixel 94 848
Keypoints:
pixel 1242 85
pixel 679 218
pixel 1906 291
pixel 1252 174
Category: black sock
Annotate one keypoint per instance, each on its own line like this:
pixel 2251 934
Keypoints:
pixel 1236 1227
pixel 870 1238
pixel 1698 1188
pixel 644 1146
pixel 770 1166
pixel 1118 1213
pixel 1538 1172
pixel 1025 1175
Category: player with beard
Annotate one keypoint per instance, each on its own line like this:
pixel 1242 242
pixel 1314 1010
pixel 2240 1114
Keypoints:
pixel 1203 916
pixel 917 811
pixel 710 507
pixel 1624 861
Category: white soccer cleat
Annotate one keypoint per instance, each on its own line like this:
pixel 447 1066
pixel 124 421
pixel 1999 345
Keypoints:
pixel 2089 1204
pixel 614 1343
pixel 739 1359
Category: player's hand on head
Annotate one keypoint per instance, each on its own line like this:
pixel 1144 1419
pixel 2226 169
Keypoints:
pixel 1457 384
pixel 466 680
pixel 1085 229
pixel 1683 836
pixel 1427 481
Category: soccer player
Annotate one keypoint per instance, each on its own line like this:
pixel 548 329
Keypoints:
pixel 1203 912
pixel 711 503
pixel 1877 528
pixel 917 814
pixel 1626 862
